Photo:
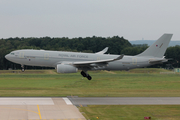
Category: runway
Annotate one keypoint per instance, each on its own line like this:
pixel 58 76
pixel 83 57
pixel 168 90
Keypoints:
pixel 125 100
pixel 64 108
pixel 37 108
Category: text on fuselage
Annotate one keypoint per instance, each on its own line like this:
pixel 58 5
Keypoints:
pixel 73 56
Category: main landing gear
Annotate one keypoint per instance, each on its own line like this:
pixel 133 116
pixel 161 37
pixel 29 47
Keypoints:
pixel 84 74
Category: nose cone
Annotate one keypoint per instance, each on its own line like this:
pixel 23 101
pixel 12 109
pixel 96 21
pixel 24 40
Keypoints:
pixel 7 56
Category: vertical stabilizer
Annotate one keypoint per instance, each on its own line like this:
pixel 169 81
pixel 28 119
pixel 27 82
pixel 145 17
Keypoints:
pixel 158 48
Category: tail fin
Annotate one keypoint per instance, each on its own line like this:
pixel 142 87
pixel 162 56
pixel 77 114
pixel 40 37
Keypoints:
pixel 159 47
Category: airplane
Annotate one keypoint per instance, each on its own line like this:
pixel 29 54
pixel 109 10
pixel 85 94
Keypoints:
pixel 71 62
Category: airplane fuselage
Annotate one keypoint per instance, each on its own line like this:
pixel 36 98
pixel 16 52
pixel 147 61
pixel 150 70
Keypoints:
pixel 52 58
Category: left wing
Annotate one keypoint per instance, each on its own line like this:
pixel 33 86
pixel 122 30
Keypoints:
pixel 97 61
pixel 95 64
pixel 91 64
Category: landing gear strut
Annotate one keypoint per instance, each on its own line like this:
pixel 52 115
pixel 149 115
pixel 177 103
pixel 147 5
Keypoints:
pixel 22 66
pixel 84 74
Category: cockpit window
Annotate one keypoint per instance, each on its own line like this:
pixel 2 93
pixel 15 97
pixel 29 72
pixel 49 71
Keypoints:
pixel 12 53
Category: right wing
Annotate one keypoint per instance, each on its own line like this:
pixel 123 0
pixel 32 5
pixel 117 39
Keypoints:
pixel 103 51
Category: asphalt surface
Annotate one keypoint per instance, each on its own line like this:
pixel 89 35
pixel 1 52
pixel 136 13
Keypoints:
pixel 78 101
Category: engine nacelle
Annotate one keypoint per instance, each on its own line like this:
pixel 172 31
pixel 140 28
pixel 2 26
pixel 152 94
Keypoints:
pixel 66 69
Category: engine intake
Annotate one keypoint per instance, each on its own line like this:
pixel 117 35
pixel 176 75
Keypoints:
pixel 66 69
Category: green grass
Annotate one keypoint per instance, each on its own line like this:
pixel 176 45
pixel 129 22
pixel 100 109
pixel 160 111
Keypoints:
pixel 131 112
pixel 135 83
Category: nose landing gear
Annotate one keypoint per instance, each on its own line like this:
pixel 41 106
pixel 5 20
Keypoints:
pixel 22 66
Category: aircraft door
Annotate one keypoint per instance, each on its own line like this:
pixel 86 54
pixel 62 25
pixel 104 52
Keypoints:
pixel 134 61
pixel 21 55
pixel 46 56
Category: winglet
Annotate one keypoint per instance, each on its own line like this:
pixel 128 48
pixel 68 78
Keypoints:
pixel 98 61
pixel 118 58
pixel 103 51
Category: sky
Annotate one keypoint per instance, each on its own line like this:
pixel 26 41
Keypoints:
pixel 131 19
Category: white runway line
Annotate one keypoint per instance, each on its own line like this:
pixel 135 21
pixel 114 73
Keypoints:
pixel 68 102
pixel 26 101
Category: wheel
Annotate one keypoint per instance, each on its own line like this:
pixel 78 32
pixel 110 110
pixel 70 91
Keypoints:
pixel 89 77
pixel 22 66
pixel 83 74
pixel 23 70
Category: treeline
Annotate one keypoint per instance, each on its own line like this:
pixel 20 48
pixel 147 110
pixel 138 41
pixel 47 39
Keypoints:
pixel 173 53
pixel 117 45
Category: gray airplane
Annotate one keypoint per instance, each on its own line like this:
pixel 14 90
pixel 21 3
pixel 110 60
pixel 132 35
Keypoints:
pixel 71 62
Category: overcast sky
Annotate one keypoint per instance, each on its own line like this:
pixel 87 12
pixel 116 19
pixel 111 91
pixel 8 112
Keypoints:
pixel 132 19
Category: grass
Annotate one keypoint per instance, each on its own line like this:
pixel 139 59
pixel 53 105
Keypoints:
pixel 131 112
pixel 134 83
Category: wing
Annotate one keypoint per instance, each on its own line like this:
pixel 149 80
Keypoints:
pixel 95 64
pixel 103 51
pixel 91 64
pixel 98 61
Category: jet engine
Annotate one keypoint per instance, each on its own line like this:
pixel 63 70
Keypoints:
pixel 66 69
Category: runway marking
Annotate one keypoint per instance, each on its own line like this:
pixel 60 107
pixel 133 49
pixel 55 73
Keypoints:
pixel 26 101
pixel 32 108
pixel 68 102
pixel 21 109
pixel 57 119
pixel 39 113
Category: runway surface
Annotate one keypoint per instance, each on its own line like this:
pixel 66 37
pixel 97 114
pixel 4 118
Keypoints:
pixel 125 100
pixel 58 108
pixel 38 108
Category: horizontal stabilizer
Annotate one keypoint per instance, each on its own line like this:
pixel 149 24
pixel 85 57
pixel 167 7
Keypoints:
pixel 157 61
